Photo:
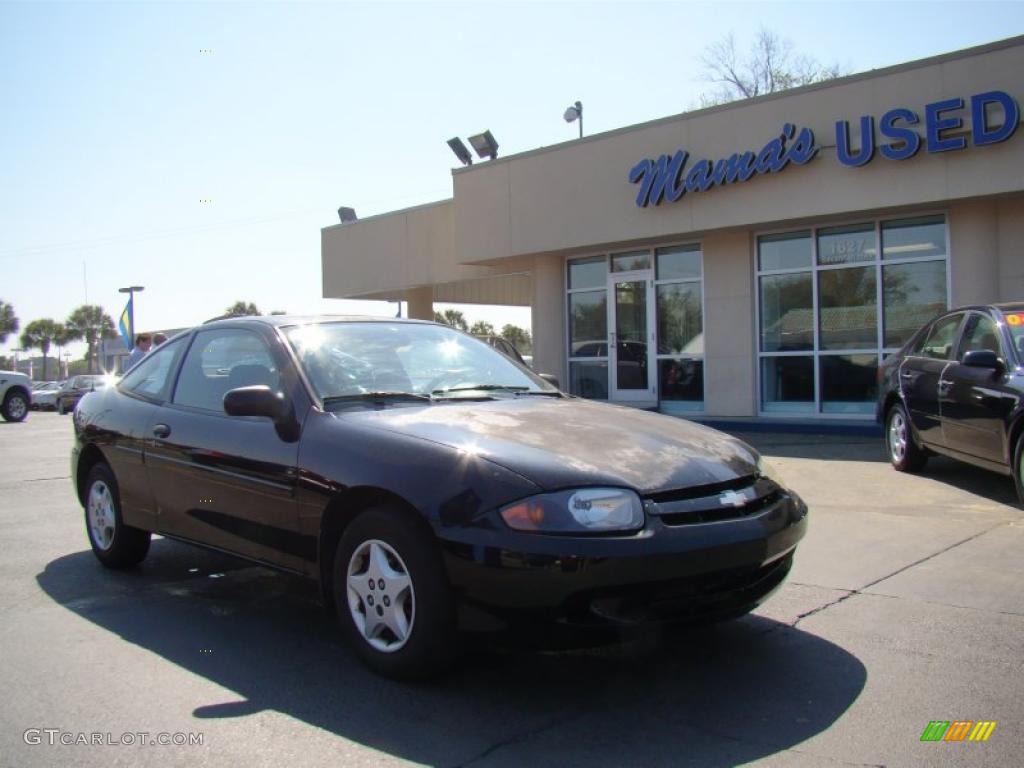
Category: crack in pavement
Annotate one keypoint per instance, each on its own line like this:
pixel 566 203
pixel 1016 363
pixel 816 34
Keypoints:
pixel 860 590
pixel 518 738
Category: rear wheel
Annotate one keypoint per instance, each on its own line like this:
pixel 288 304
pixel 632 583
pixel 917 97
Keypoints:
pixel 904 452
pixel 15 406
pixel 391 596
pixel 115 544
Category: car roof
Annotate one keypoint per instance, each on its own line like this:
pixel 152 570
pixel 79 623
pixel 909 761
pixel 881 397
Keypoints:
pixel 278 321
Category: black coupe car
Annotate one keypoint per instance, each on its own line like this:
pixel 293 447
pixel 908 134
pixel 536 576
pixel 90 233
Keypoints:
pixel 429 483
pixel 957 388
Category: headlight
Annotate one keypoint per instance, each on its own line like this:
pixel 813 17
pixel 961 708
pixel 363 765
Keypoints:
pixel 584 510
pixel 766 469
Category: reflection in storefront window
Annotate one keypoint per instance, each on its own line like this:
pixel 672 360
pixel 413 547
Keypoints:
pixel 847 245
pixel 912 294
pixel 628 262
pixel 681 384
pixel 787 312
pixel 848 383
pixel 680 321
pixel 588 273
pixel 848 308
pixel 790 250
pixel 787 383
pixel 914 238
pixel 588 324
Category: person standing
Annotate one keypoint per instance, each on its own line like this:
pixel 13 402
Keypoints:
pixel 158 339
pixel 143 343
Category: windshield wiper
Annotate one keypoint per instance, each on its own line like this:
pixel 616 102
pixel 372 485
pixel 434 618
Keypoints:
pixel 483 388
pixel 377 396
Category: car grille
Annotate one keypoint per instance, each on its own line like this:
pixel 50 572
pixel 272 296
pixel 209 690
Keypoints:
pixel 730 500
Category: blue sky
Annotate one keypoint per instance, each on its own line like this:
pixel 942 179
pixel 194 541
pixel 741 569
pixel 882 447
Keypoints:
pixel 117 124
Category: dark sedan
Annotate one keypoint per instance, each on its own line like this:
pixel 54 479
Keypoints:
pixel 76 388
pixel 429 484
pixel 957 388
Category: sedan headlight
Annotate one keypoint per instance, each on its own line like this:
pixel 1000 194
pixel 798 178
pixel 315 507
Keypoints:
pixel 583 510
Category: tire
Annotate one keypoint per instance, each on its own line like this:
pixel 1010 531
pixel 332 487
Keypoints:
pixel 416 598
pixel 15 407
pixel 900 443
pixel 1018 468
pixel 115 544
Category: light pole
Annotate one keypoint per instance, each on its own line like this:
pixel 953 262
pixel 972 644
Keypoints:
pixel 575 112
pixel 15 351
pixel 131 291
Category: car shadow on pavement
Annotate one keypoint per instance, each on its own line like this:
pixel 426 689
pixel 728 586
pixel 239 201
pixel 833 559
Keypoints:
pixel 717 696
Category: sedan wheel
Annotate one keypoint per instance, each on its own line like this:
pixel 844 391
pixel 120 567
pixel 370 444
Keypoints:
pixel 15 407
pixel 1018 475
pixel 904 453
pixel 115 544
pixel 391 594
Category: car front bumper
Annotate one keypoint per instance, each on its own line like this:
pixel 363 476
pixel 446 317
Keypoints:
pixel 661 574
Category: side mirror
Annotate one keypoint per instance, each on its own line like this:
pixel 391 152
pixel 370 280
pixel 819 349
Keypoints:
pixel 984 358
pixel 261 400
pixel 550 379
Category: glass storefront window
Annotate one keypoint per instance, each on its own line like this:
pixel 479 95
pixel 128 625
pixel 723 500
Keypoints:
pixel 680 321
pixel 588 324
pixel 787 384
pixel 680 263
pixel 588 273
pixel 681 385
pixel 914 238
pixel 847 245
pixel 848 308
pixel 849 383
pixel 912 294
pixel 631 334
pixel 589 379
pixel 790 250
pixel 787 312
pixel 627 262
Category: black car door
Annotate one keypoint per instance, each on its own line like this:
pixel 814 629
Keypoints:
pixel 227 481
pixel 919 376
pixel 976 403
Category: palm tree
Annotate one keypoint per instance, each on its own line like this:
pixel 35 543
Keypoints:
pixel 242 309
pixel 91 323
pixel 8 321
pixel 482 328
pixel 40 333
pixel 452 317
pixel 62 338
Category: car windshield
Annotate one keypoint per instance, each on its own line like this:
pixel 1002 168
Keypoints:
pixel 1015 322
pixel 353 359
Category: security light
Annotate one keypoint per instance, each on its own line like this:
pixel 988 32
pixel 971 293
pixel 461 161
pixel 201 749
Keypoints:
pixel 573 113
pixel 347 215
pixel 485 145
pixel 460 150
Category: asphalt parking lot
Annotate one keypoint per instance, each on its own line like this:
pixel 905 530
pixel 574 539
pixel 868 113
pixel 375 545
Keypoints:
pixel 905 606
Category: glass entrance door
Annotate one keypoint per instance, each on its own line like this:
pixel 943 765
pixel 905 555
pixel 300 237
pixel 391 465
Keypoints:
pixel 631 338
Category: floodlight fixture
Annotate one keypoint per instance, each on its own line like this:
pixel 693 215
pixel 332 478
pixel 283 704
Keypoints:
pixel 485 145
pixel 573 113
pixel 460 150
pixel 347 215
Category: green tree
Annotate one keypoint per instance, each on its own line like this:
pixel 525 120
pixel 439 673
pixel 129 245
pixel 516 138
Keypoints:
pixel 8 321
pixel 40 334
pixel 91 323
pixel 771 65
pixel 482 328
pixel 62 338
pixel 452 317
pixel 242 309
pixel 520 337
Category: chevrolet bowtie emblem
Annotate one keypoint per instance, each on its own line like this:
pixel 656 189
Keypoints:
pixel 731 498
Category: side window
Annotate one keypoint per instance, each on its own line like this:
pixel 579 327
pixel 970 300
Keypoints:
pixel 220 360
pixel 980 333
pixel 151 378
pixel 939 344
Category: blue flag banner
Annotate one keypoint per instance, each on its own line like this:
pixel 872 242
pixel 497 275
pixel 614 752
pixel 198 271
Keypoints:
pixel 124 325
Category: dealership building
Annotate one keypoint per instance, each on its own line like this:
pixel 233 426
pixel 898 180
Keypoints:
pixel 753 260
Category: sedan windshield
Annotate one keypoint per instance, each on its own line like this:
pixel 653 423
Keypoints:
pixel 378 359
pixel 1015 322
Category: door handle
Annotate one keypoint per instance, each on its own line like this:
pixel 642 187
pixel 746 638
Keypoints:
pixel 161 431
pixel 906 375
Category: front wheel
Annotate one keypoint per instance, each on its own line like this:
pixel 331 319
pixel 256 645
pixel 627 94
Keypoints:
pixel 115 544
pixel 391 596
pixel 15 406
pixel 904 453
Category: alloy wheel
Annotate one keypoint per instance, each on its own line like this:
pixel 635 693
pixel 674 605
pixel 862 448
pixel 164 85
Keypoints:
pixel 381 598
pixel 102 519
pixel 897 437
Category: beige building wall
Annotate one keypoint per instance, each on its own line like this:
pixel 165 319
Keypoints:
pixel 1010 218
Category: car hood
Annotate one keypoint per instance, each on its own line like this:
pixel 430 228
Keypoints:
pixel 562 442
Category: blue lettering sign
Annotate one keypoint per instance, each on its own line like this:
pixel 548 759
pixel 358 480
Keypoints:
pixel 867 142
pixel 935 124
pixel 906 142
pixel 980 132
pixel 663 179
